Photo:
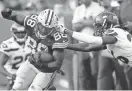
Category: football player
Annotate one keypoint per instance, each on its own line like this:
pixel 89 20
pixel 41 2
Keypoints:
pixel 42 37
pixel 13 52
pixel 108 33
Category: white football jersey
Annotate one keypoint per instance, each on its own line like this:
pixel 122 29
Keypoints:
pixel 122 49
pixel 17 54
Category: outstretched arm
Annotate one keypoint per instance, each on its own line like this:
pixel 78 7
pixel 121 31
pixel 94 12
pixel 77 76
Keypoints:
pixel 84 47
pixel 13 15
pixel 97 40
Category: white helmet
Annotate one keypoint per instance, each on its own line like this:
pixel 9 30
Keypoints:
pixel 18 32
pixel 47 20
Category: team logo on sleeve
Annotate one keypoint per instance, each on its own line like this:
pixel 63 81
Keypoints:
pixel 3 45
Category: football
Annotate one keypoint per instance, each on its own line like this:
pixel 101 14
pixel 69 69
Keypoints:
pixel 43 57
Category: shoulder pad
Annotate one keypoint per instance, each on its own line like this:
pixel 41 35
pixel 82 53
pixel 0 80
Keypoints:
pixel 111 32
pixel 4 45
pixel 8 45
pixel 30 20
pixel 33 16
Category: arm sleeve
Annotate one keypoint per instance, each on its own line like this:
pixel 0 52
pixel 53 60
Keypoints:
pixel 30 21
pixel 18 18
pixel 87 38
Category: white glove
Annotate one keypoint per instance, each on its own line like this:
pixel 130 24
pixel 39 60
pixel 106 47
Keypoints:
pixel 61 29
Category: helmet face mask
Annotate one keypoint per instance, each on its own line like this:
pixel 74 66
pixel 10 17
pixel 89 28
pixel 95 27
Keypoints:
pixel 19 33
pixel 41 31
pixel 100 27
pixel 98 30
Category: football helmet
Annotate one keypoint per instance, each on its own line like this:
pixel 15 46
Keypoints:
pixel 47 21
pixel 104 21
pixel 18 32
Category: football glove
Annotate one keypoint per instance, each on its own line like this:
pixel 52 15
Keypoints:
pixel 6 13
pixel 61 29
pixel 12 79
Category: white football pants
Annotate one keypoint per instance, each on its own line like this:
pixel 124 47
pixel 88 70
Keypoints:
pixel 29 77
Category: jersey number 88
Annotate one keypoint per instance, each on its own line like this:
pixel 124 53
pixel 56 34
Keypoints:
pixel 32 21
pixel 58 36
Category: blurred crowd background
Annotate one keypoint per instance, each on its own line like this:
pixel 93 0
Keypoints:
pixel 78 74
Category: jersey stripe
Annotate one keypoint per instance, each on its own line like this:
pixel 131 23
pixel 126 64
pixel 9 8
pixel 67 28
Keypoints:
pixel 60 45
pixel 9 50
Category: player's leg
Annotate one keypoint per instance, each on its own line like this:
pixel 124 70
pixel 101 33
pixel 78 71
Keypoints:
pixel 10 80
pixel 128 73
pixel 30 77
pixel 42 81
pixel 121 81
pixel 105 70
pixel 84 71
pixel 22 74
pixel 94 69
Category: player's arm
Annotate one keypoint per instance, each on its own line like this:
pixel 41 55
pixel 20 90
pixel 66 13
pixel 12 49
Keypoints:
pixel 13 15
pixel 107 39
pixel 84 47
pixel 92 39
pixel 58 55
pixel 3 59
pixel 58 47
